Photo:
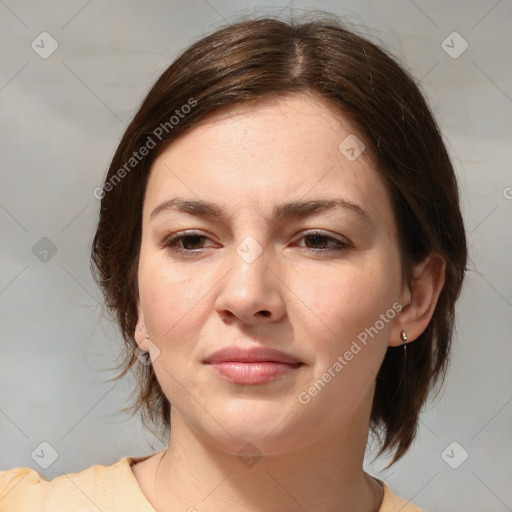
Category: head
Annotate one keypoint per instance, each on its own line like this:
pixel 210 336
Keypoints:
pixel 257 115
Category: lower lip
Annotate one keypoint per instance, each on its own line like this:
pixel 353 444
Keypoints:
pixel 252 373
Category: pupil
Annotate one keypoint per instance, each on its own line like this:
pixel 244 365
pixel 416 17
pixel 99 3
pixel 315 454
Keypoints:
pixel 195 238
pixel 316 239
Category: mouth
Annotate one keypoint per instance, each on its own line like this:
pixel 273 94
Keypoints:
pixel 251 366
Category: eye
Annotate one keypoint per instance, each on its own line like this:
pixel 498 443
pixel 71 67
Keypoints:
pixel 318 240
pixel 185 243
pixel 190 243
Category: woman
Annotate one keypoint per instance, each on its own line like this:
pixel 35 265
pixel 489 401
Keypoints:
pixel 281 244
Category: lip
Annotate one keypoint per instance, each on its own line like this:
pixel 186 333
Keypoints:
pixel 251 366
pixel 250 355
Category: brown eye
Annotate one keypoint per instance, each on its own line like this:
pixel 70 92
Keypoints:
pixel 185 243
pixel 318 241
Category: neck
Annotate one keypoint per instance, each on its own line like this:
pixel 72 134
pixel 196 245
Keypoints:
pixel 324 476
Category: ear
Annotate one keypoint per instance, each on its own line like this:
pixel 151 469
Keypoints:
pixel 419 299
pixel 140 330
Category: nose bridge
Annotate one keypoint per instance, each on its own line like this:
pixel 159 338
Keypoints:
pixel 250 260
pixel 251 285
pixel 251 248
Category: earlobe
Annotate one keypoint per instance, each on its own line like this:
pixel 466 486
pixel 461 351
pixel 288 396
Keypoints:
pixel 140 333
pixel 426 286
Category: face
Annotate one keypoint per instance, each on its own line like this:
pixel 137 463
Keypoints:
pixel 321 285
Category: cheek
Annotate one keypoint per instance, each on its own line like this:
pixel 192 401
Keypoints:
pixel 167 296
pixel 177 303
pixel 350 315
pixel 348 298
pixel 350 309
pixel 173 315
pixel 163 283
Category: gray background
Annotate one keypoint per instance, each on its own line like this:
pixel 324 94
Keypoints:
pixel 62 118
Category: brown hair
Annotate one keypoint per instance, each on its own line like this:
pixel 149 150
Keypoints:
pixel 256 59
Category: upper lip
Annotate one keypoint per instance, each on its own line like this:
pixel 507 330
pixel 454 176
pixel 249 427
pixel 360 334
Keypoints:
pixel 250 355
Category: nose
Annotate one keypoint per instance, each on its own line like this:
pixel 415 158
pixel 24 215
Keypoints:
pixel 252 290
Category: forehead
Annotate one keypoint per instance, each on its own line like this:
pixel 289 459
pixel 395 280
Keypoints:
pixel 257 156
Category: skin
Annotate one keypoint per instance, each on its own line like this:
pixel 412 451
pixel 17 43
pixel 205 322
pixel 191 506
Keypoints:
pixel 295 296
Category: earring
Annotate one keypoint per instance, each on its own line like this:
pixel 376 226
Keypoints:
pixel 403 337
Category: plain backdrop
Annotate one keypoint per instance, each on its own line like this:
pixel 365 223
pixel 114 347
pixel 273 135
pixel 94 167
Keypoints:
pixel 62 118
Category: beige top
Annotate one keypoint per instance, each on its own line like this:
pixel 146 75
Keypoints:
pixel 111 488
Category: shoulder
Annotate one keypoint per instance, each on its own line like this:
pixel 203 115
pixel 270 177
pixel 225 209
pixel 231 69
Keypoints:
pixel 112 487
pixel 18 485
pixel 393 503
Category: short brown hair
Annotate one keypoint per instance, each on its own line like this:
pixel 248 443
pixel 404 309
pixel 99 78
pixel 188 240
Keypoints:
pixel 257 59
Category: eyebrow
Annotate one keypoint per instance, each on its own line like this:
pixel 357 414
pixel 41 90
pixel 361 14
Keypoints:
pixel 280 212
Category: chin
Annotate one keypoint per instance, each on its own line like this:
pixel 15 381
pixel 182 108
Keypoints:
pixel 256 429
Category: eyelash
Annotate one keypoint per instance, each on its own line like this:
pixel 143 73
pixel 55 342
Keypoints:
pixel 170 242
